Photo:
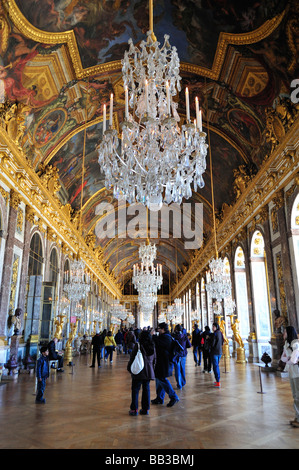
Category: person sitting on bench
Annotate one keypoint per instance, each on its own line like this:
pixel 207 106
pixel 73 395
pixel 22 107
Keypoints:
pixel 54 356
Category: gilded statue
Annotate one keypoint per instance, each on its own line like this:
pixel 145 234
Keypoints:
pixel 58 326
pixel 237 336
pixel 73 332
pixel 222 329
pixel 16 321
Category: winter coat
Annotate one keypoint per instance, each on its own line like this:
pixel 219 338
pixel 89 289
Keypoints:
pixel 148 372
pixel 184 341
pixel 290 356
pixel 196 337
pixel 42 367
pixel 53 354
pixel 130 340
pixel 97 342
pixel 217 341
pixel 163 344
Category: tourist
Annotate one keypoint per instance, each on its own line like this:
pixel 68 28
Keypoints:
pixel 96 344
pixel 142 379
pixel 130 340
pixel 216 352
pixel 103 335
pixel 290 356
pixel 206 349
pixel 163 369
pixel 119 341
pixel 196 338
pixel 54 355
pixel 42 373
pixel 110 346
pixel 180 364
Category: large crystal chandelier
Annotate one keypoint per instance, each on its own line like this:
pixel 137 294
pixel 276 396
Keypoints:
pixel 155 161
pixel 147 278
pixel 118 311
pixel 77 285
pixel 219 287
pixel 175 311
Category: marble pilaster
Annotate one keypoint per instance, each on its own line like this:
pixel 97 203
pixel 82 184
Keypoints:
pixel 7 264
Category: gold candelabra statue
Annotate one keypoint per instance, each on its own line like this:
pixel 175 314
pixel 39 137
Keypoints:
pixel 225 346
pixel 58 326
pixel 237 337
pixel 68 347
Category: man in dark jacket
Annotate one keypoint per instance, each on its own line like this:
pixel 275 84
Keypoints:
pixel 54 356
pixel 96 344
pixel 42 373
pixel 163 369
pixel 216 352
pixel 196 339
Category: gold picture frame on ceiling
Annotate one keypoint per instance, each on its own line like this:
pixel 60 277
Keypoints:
pixel 68 37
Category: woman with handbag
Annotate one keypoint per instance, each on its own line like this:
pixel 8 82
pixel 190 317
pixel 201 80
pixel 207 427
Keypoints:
pixel 290 356
pixel 110 346
pixel 147 349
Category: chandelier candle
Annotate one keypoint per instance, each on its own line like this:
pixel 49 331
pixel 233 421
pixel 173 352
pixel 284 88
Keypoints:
pixel 155 161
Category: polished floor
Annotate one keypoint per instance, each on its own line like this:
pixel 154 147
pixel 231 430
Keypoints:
pixel 88 409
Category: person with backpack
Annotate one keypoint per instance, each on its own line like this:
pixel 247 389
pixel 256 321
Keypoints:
pixel 206 349
pixel 196 343
pixel 164 344
pixel 142 379
pixel 180 364
pixel 216 352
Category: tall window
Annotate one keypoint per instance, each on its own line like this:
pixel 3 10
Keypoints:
pixel 260 287
pixel 241 292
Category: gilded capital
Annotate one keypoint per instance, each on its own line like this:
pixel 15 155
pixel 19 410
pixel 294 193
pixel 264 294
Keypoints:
pixel 29 215
pixel 14 199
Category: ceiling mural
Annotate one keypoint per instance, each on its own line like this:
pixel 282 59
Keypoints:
pixel 62 59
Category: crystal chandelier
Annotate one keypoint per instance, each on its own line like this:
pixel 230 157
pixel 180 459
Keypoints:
pixel 147 278
pixel 219 287
pixel 229 305
pixel 175 311
pixel 77 285
pixel 155 161
pixel 118 311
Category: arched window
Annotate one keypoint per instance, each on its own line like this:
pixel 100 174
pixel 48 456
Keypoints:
pixel 34 287
pixel 241 292
pixel 295 247
pixel 260 288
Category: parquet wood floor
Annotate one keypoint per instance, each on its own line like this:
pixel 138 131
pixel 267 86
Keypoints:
pixel 88 409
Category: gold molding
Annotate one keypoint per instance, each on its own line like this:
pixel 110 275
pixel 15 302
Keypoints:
pixel 68 37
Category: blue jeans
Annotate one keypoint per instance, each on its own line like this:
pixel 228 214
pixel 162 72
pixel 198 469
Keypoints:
pixel 109 352
pixel 145 398
pixel 215 361
pixel 197 350
pixel 179 372
pixel 164 386
pixel 41 385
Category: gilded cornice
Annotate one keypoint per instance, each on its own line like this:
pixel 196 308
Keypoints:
pixel 68 37
pixel 36 194
pixel 134 298
pixel 278 170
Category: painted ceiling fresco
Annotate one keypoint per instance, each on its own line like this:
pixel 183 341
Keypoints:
pixel 62 58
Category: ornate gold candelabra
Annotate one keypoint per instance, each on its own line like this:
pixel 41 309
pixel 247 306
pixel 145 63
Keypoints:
pixel 68 347
pixel 225 347
pixel 237 337
pixel 58 326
